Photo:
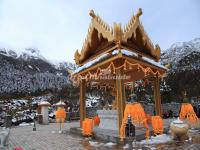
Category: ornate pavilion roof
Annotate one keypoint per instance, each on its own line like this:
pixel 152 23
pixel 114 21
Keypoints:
pixel 102 39
pixel 116 52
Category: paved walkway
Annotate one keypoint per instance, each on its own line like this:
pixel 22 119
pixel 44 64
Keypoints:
pixel 46 137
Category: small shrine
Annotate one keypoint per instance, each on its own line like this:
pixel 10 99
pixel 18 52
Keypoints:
pixel 114 57
pixel 44 109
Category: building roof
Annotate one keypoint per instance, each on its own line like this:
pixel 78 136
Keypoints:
pixel 102 38
pixel 114 53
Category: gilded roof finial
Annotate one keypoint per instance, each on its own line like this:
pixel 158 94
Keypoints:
pixel 92 14
pixel 139 13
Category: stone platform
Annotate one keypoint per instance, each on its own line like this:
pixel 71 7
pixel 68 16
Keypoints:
pixel 107 135
pixel 109 119
pixel 108 131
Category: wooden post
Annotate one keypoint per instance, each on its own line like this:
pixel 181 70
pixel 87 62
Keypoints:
pixel 157 97
pixel 120 96
pixel 82 101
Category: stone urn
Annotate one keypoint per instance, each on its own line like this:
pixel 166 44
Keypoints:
pixel 179 130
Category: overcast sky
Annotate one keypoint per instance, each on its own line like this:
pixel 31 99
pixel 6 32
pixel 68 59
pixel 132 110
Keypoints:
pixel 58 27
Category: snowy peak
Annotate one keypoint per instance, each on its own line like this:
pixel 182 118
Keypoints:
pixel 184 59
pixel 196 43
pixel 28 53
pixel 180 50
pixel 177 44
pixel 65 65
pixel 193 43
pixel 12 53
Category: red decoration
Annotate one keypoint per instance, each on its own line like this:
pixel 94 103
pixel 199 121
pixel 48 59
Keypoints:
pixel 96 120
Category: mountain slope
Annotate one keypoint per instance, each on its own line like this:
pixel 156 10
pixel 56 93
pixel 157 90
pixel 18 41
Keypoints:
pixel 181 49
pixel 29 73
pixel 184 73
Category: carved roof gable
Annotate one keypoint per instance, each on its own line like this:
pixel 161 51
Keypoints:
pixel 101 37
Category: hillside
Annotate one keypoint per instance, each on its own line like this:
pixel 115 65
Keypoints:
pixel 29 73
pixel 184 73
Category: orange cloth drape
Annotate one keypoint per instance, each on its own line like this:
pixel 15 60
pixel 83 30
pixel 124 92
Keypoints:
pixel 157 125
pixel 187 112
pixel 147 129
pixel 60 116
pixel 138 116
pixel 87 127
pixel 136 112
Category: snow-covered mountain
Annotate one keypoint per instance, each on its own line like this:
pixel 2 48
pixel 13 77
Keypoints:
pixel 65 65
pixel 184 74
pixel 183 55
pixel 28 53
pixel 28 72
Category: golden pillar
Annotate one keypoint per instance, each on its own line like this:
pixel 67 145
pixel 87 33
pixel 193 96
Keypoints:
pixel 82 101
pixel 157 97
pixel 120 96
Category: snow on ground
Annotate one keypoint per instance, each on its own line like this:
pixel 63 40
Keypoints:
pixel 98 144
pixel 21 109
pixel 109 144
pixel 95 144
pixel 25 124
pixel 163 138
pixel 150 143
pixel 126 146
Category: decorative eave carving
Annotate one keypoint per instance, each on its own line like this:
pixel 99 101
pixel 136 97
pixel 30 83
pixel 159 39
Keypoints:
pixel 101 26
pixel 130 31
pixel 103 29
pixel 130 28
pixel 116 35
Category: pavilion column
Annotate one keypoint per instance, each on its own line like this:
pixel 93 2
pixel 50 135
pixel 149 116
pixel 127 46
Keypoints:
pixel 120 96
pixel 157 97
pixel 82 101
